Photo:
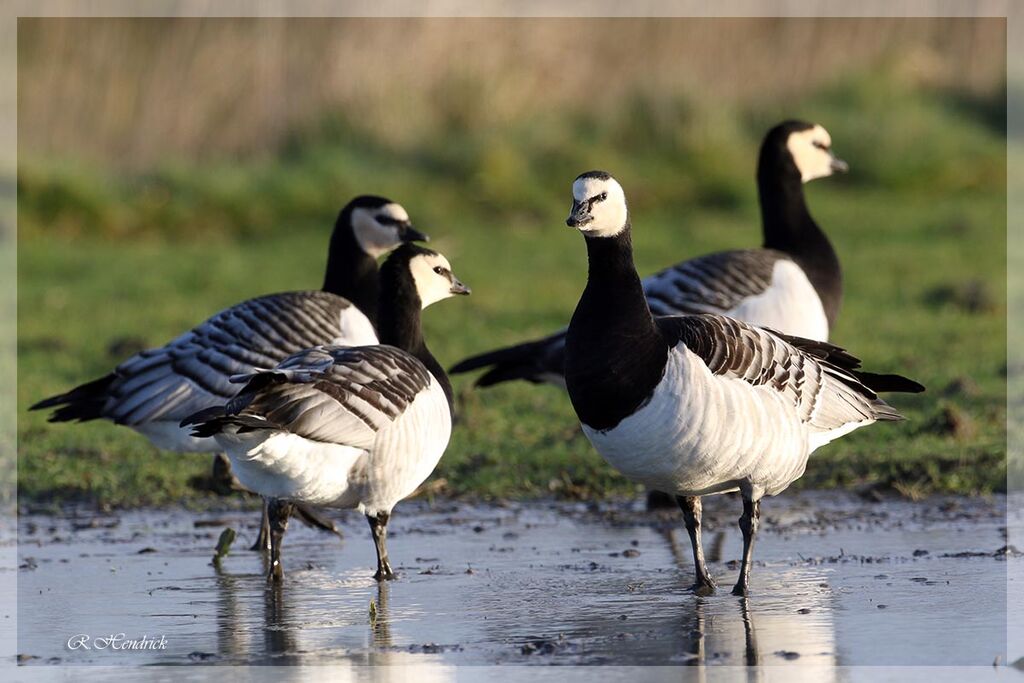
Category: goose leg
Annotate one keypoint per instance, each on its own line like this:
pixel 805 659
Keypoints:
pixel 748 525
pixel 692 508
pixel 262 543
pixel 278 512
pixel 304 513
pixel 379 529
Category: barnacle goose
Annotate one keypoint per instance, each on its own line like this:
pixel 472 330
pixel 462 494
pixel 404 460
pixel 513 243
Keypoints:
pixel 699 404
pixel 792 284
pixel 346 427
pixel 154 390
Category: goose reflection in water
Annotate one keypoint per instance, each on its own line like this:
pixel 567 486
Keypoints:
pixel 295 628
pixel 793 619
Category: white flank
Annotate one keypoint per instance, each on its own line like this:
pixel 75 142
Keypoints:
pixel 790 305
pixel 282 465
pixel 355 329
pixel 702 434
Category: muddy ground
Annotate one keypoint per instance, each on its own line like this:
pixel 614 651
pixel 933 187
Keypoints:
pixel 839 581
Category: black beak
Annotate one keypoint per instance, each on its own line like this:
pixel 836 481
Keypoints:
pixel 459 288
pixel 411 234
pixel 838 165
pixel 579 215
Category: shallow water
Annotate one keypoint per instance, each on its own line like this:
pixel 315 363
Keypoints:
pixel 838 582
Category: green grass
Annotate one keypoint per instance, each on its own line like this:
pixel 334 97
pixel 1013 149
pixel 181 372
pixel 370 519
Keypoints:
pixel 919 225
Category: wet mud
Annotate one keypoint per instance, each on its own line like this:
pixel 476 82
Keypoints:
pixel 838 581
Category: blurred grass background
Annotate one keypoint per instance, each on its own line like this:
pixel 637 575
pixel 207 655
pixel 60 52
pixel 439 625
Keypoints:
pixel 169 168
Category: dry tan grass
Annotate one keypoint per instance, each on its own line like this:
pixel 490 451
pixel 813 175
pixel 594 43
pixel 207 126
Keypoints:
pixel 134 91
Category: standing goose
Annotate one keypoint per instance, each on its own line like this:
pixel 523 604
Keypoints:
pixel 792 284
pixel 699 404
pixel 154 390
pixel 346 427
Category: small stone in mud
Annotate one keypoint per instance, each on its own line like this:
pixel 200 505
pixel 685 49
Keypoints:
pixel 634 543
pixel 881 606
pixel 478 529
pixel 146 550
pixel 786 654
pixel 594 565
pixel 25 658
pixel 630 552
pixel 919 579
pixel 200 523
pixel 623 617
pixel 434 648
pixel 201 656
pixel 543 646
pixel 920 552
pixel 803 610
pixel 96 523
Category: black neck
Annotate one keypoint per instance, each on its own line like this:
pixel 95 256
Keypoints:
pixel 399 325
pixel 615 355
pixel 789 228
pixel 351 272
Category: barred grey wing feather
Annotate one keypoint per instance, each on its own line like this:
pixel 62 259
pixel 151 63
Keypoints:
pixel 825 395
pixel 194 370
pixel 334 394
pixel 715 283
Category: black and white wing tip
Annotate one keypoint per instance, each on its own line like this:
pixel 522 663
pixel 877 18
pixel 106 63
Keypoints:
pixel 329 393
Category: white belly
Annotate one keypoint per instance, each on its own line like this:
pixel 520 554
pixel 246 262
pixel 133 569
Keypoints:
pixel 288 466
pixel 281 465
pixel 702 434
pixel 790 305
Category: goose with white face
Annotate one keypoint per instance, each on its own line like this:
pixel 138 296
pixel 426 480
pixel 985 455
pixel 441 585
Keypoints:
pixel 434 279
pixel 598 205
pixel 379 230
pixel 812 153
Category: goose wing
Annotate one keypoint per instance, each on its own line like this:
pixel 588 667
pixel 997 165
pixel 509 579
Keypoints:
pixel 332 394
pixel 822 381
pixel 716 283
pixel 193 371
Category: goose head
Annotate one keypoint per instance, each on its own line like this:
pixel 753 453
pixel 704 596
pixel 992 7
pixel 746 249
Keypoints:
pixel 598 205
pixel 377 224
pixel 429 273
pixel 805 147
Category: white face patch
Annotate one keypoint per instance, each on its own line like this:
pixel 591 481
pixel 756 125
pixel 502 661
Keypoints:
pixel 811 151
pixel 433 277
pixel 375 229
pixel 602 203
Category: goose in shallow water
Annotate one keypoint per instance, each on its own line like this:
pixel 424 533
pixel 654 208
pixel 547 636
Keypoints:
pixel 699 404
pixel 346 427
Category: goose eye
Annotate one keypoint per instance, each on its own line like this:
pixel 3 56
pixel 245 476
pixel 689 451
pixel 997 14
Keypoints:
pixel 603 196
pixel 439 270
